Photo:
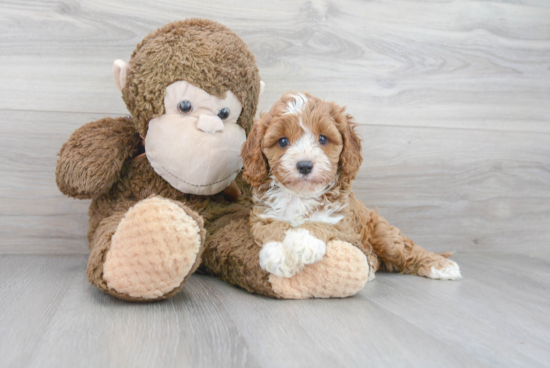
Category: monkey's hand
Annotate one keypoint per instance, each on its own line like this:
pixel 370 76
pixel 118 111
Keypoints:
pixel 91 160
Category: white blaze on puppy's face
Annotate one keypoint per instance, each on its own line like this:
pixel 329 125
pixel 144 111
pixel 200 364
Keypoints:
pixel 195 146
pixel 296 103
pixel 312 140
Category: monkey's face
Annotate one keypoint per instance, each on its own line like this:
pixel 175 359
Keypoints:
pixel 186 103
pixel 195 146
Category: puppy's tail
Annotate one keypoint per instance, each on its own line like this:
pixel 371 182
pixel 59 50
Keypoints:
pixel 446 254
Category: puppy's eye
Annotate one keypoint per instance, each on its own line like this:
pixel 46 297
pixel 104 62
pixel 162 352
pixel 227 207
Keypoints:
pixel 323 140
pixel 185 107
pixel 283 142
pixel 223 113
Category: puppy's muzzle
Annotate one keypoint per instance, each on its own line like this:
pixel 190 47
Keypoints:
pixel 304 167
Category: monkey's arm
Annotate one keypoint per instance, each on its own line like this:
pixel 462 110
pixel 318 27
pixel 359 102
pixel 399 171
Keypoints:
pixel 327 232
pixel 90 161
pixel 267 230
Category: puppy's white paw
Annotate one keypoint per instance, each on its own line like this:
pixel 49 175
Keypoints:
pixel 451 271
pixel 299 248
pixel 302 248
pixel 272 259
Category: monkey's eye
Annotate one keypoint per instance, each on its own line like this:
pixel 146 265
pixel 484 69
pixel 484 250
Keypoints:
pixel 283 142
pixel 223 113
pixel 323 140
pixel 185 107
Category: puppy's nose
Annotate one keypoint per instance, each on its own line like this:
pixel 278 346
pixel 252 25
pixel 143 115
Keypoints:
pixel 304 167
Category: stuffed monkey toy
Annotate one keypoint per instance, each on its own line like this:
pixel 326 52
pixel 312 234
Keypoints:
pixel 165 183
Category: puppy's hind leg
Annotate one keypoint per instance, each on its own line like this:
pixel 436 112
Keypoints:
pixel 400 254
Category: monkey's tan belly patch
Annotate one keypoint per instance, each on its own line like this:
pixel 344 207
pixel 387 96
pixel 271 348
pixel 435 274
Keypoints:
pixel 342 272
pixel 152 250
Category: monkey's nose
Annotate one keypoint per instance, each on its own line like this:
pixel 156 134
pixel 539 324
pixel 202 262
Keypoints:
pixel 210 123
pixel 304 167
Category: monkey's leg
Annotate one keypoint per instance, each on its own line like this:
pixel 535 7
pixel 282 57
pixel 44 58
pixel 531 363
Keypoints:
pixel 233 256
pixel 342 272
pixel 148 252
pixel 400 254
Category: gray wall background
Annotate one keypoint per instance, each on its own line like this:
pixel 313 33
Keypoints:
pixel 453 98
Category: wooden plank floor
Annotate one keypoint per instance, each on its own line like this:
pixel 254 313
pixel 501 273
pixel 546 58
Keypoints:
pixel 497 316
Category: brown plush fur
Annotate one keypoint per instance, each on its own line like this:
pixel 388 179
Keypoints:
pixel 262 159
pixel 100 244
pixel 94 155
pixel 101 160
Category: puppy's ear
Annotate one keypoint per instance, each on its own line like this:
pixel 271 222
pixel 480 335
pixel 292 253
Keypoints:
pixel 254 163
pixel 350 158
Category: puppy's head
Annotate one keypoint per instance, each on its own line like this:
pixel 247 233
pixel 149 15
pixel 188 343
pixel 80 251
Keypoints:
pixel 305 143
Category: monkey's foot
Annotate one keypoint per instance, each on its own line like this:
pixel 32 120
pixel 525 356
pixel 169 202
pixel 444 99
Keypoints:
pixel 153 251
pixel 342 272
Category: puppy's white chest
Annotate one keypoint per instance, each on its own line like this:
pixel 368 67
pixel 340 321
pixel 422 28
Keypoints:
pixel 296 211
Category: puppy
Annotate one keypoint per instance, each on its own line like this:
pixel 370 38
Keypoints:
pixel 300 159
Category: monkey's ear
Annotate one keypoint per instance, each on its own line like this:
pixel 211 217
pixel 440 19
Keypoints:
pixel 120 72
pixel 262 88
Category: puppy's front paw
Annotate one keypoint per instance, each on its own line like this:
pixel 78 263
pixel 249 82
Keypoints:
pixel 302 248
pixel 299 248
pixel 272 259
